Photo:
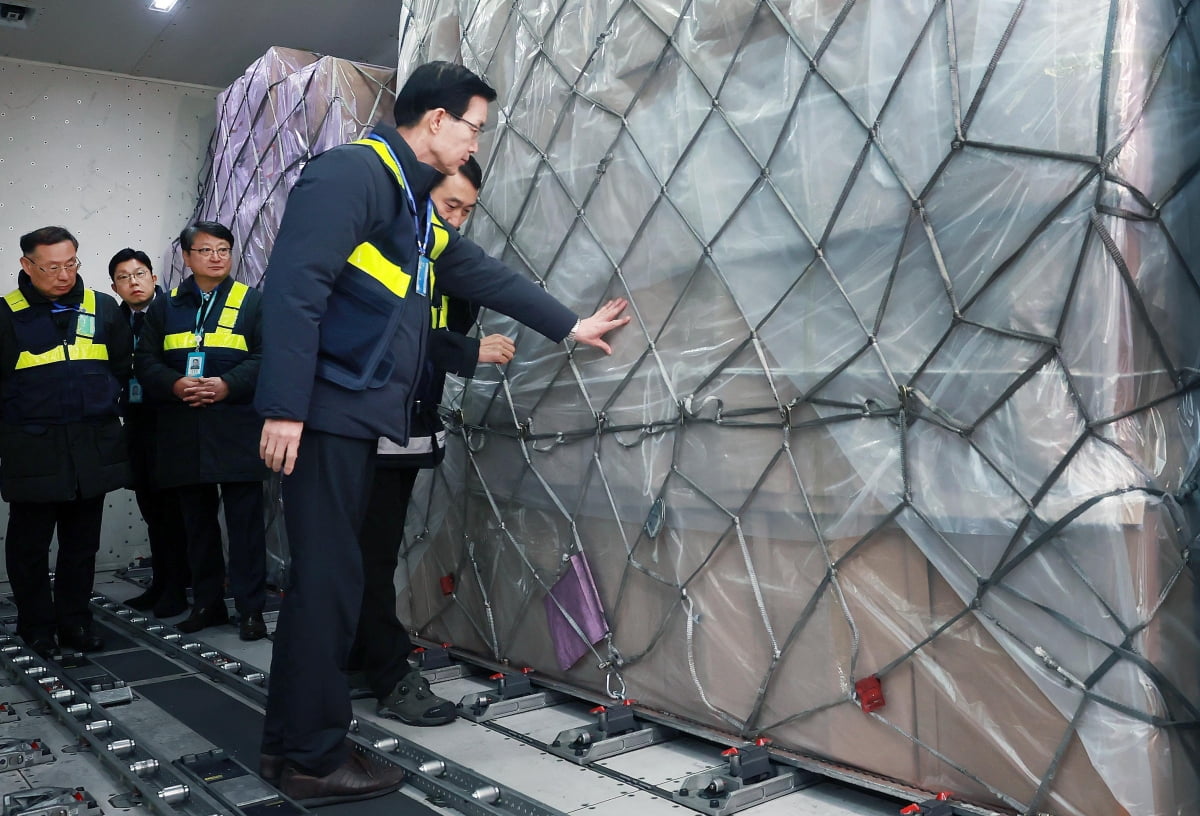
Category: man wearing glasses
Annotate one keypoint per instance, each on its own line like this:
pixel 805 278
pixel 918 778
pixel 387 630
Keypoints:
pixel 134 281
pixel 197 362
pixel 346 314
pixel 64 357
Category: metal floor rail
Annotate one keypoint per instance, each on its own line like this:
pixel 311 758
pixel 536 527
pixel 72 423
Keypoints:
pixel 465 770
pixel 160 786
pixel 454 785
pixel 448 782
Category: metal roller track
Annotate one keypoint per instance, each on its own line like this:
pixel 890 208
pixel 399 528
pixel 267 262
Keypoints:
pixel 834 771
pixel 162 790
pixel 455 785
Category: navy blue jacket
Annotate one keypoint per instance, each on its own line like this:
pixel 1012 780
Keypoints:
pixel 80 453
pixel 346 197
pixel 219 442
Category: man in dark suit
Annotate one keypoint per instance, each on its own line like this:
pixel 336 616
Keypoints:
pixel 135 283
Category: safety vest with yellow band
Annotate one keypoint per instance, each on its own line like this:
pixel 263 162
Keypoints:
pixel 62 374
pixel 369 299
pixel 221 333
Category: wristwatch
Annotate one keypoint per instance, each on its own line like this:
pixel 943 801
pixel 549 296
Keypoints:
pixel 575 328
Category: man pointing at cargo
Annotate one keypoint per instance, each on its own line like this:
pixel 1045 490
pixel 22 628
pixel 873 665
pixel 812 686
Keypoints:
pixel 346 318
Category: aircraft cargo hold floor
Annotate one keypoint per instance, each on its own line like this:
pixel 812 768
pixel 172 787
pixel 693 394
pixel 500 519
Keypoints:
pixel 167 723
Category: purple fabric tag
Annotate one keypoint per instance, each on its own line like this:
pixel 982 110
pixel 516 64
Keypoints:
pixel 576 593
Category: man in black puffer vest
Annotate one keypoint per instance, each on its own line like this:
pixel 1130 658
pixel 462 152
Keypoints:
pixel 64 356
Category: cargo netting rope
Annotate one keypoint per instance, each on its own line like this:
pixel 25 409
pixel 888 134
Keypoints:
pixel 288 107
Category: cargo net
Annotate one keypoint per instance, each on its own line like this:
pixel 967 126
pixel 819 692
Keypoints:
pixel 908 395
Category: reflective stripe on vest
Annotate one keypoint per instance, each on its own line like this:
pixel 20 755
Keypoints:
pixel 368 258
pixel 223 336
pixel 81 346
pixel 439 313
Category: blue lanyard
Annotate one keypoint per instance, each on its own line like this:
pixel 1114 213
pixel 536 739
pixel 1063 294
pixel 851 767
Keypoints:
pixel 422 241
pixel 207 299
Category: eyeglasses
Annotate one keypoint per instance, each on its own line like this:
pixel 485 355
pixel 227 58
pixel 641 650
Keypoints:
pixel 139 275
pixel 475 129
pixel 205 252
pixel 54 269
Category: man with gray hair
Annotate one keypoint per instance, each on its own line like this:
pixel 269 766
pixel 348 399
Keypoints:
pixel 64 357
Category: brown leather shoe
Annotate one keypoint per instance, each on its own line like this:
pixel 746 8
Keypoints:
pixel 357 778
pixel 270 766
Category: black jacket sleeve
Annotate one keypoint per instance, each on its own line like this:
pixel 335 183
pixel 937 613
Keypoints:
pixel 453 352
pixel 466 271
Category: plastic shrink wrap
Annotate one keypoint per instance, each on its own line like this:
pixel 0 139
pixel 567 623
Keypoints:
pixel 909 390
pixel 289 106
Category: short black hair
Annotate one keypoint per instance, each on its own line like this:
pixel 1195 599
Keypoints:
pixel 213 228
pixel 128 254
pixel 46 236
pixel 472 172
pixel 438 85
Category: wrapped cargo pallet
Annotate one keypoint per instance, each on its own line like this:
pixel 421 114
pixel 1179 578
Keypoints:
pixel 909 395
pixel 289 106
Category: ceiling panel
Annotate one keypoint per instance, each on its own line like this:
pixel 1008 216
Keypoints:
pixel 204 42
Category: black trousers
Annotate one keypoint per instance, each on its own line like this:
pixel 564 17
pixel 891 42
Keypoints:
pixel 308 699
pixel 247 543
pixel 168 538
pixel 381 643
pixel 31 527
pixel 159 508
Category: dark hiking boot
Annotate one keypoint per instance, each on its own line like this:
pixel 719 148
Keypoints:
pixel 412 703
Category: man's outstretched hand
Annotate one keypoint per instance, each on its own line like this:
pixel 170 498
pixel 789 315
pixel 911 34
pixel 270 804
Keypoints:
pixel 591 330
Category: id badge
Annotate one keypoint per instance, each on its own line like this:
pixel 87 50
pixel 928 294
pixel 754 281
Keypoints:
pixel 135 390
pixel 195 365
pixel 423 276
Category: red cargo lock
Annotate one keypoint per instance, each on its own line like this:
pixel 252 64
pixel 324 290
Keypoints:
pixel 870 693
pixel 447 582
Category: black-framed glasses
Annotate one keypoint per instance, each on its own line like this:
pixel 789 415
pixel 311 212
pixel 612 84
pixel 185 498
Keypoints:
pixel 126 277
pixel 54 269
pixel 478 130
pixel 206 252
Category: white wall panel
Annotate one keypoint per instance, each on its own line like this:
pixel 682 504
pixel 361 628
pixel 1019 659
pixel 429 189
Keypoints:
pixel 114 159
